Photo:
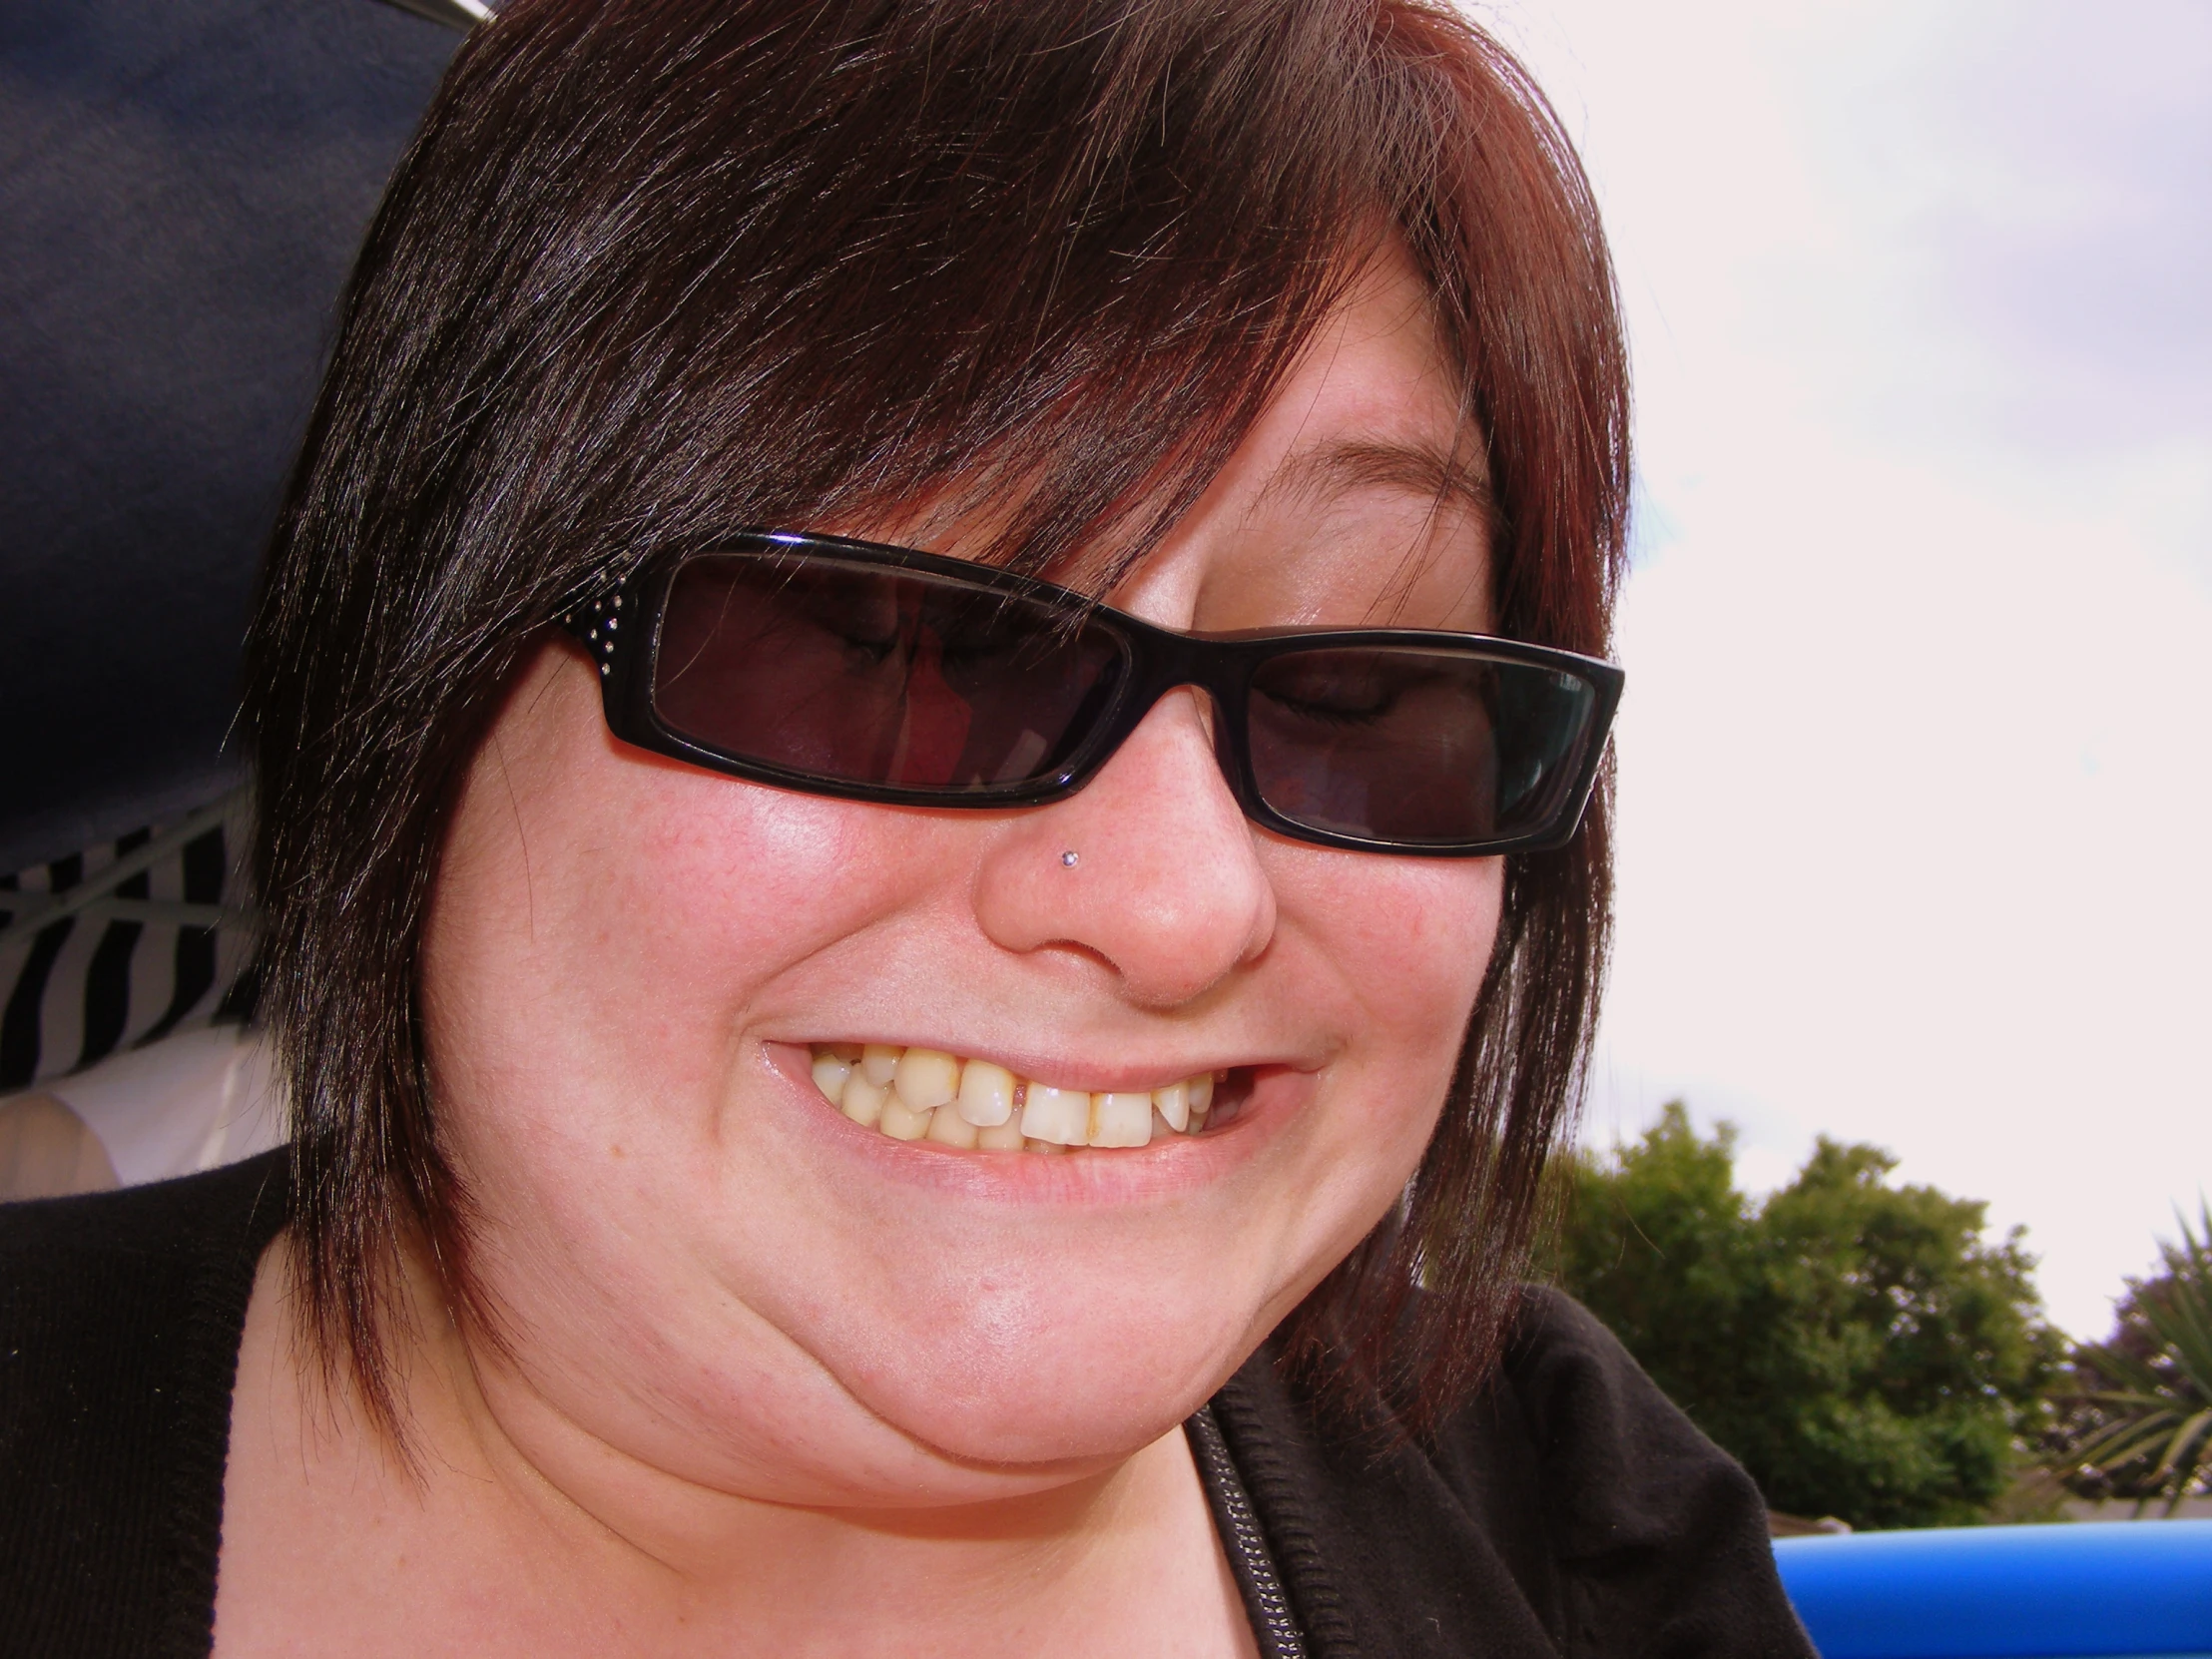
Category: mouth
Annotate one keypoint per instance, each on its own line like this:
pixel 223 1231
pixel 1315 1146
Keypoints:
pixel 968 1105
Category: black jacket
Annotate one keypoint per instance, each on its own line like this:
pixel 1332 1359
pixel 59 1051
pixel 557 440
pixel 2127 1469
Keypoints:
pixel 1570 1510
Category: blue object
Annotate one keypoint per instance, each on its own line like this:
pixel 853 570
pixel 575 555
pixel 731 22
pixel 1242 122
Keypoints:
pixel 2066 1591
pixel 183 185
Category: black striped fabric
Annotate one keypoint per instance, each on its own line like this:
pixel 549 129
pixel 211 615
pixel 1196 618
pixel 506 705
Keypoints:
pixel 84 985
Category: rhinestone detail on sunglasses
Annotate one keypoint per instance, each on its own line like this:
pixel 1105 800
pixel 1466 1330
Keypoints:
pixel 594 623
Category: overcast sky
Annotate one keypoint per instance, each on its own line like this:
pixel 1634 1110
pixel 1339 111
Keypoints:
pixel 1916 828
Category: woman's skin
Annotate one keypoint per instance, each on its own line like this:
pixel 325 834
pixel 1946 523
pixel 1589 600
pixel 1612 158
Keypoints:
pixel 778 1385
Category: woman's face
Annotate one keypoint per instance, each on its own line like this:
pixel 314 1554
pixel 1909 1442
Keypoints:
pixel 629 962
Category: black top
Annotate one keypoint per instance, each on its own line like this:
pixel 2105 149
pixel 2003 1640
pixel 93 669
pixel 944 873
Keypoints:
pixel 1570 1510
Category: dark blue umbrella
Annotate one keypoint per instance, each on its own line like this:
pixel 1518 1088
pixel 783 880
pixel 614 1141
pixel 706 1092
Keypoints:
pixel 183 183
pixel 183 186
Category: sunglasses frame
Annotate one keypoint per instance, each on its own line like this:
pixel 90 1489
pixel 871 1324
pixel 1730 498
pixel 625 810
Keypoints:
pixel 620 628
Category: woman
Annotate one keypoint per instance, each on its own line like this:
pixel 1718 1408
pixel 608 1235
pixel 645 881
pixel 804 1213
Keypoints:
pixel 850 1098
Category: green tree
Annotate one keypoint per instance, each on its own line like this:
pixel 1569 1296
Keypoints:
pixel 1862 1349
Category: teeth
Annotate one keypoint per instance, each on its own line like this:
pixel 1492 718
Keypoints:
pixel 1001 1137
pixel 831 1073
pixel 927 1078
pixel 986 1094
pixel 862 1101
pixel 914 1094
pixel 1121 1118
pixel 901 1122
pixel 1173 1102
pixel 948 1128
pixel 1062 1116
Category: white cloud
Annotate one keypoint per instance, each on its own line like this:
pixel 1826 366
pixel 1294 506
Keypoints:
pixel 1916 828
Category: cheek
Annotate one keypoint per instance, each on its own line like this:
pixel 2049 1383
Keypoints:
pixel 1403 945
pixel 1393 953
pixel 600 924
pixel 708 887
pixel 632 899
pixel 1407 943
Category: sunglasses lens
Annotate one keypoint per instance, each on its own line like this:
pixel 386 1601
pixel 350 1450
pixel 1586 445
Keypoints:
pixel 1417 747
pixel 858 674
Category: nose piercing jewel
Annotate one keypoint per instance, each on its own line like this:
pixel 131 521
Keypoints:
pixel 1070 859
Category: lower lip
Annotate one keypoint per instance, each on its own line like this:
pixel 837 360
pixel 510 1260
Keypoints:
pixel 1101 1176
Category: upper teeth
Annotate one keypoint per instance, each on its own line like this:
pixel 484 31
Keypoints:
pixel 916 1092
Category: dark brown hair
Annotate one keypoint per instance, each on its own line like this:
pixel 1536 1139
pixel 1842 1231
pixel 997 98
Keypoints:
pixel 664 268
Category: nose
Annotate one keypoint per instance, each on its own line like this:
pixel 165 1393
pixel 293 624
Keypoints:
pixel 1165 886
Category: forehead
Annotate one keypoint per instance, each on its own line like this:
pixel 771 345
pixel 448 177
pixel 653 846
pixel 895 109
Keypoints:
pixel 1362 494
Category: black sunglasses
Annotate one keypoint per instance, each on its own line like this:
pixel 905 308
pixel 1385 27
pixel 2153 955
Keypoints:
pixel 873 673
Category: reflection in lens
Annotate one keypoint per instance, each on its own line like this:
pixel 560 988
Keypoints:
pixel 1414 744
pixel 857 673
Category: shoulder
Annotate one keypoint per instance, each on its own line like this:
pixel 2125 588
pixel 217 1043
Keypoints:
pixel 126 1220
pixel 115 1272
pixel 1570 1508
pixel 120 1316
pixel 1623 1469
pixel 1660 1534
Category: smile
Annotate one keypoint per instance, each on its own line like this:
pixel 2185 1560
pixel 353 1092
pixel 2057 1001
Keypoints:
pixel 925 1094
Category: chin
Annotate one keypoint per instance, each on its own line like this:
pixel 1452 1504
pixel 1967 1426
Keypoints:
pixel 1022 1370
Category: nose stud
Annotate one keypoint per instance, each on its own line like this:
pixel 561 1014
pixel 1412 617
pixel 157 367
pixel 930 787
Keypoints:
pixel 1070 859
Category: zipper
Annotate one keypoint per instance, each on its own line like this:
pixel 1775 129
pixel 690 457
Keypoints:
pixel 1247 1547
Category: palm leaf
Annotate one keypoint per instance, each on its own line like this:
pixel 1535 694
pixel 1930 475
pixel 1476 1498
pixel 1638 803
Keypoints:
pixel 2151 1429
pixel 2192 1431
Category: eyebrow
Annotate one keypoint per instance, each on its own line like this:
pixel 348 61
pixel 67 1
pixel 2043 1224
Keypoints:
pixel 1445 476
